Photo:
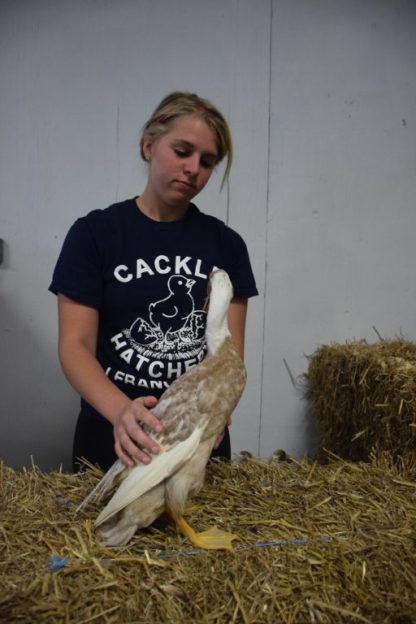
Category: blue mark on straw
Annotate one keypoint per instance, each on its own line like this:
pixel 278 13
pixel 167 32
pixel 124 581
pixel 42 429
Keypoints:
pixel 56 563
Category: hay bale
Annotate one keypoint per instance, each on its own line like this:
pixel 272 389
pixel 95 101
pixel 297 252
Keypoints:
pixel 317 543
pixel 364 397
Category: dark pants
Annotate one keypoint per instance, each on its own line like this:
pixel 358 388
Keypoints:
pixel 94 440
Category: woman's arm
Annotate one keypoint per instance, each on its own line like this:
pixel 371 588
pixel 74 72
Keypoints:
pixel 237 314
pixel 78 327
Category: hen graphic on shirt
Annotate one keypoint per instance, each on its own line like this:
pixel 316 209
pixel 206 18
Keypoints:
pixel 174 329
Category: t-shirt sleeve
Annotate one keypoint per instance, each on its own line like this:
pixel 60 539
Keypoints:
pixel 78 273
pixel 238 264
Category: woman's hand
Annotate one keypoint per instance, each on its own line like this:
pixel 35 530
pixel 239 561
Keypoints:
pixel 129 436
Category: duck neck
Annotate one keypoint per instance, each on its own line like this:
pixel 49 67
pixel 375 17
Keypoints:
pixel 217 326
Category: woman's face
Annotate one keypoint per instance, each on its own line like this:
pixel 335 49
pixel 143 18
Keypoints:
pixel 181 160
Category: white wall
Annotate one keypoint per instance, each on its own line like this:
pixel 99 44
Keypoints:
pixel 320 95
pixel 342 187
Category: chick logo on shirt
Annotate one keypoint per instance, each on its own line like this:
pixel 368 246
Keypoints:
pixel 167 343
pixel 175 330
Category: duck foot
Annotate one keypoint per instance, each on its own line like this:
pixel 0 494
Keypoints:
pixel 211 539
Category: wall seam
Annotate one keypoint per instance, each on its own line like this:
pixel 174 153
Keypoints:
pixel 266 228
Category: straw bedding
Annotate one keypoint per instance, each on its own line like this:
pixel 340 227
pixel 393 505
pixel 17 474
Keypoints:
pixel 364 397
pixel 317 543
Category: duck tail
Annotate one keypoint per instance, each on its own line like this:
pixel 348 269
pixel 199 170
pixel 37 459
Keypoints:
pixel 104 485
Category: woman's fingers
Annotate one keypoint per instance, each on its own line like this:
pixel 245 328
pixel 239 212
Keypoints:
pixel 143 414
pixel 129 452
pixel 132 444
pixel 122 455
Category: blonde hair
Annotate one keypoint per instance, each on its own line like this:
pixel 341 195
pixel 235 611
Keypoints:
pixel 180 103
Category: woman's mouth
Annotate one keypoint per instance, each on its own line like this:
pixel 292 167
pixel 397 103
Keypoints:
pixel 185 186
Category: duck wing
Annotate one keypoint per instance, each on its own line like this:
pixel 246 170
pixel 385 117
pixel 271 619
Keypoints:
pixel 184 409
pixel 145 477
pixel 175 431
pixel 195 407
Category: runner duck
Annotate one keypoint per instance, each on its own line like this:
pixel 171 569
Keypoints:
pixel 194 410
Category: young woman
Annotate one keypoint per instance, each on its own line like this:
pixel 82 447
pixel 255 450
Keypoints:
pixel 131 282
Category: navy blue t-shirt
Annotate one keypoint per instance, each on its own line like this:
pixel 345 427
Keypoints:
pixel 148 280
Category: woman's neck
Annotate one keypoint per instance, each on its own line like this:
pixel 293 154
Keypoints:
pixel 153 208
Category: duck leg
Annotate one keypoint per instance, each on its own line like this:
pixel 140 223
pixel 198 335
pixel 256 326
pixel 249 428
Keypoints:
pixel 211 539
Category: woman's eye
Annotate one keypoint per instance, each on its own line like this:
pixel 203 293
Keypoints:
pixel 208 164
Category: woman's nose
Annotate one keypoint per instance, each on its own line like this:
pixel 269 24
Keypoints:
pixel 192 164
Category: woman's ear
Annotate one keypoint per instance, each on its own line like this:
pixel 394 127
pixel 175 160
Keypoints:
pixel 147 148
